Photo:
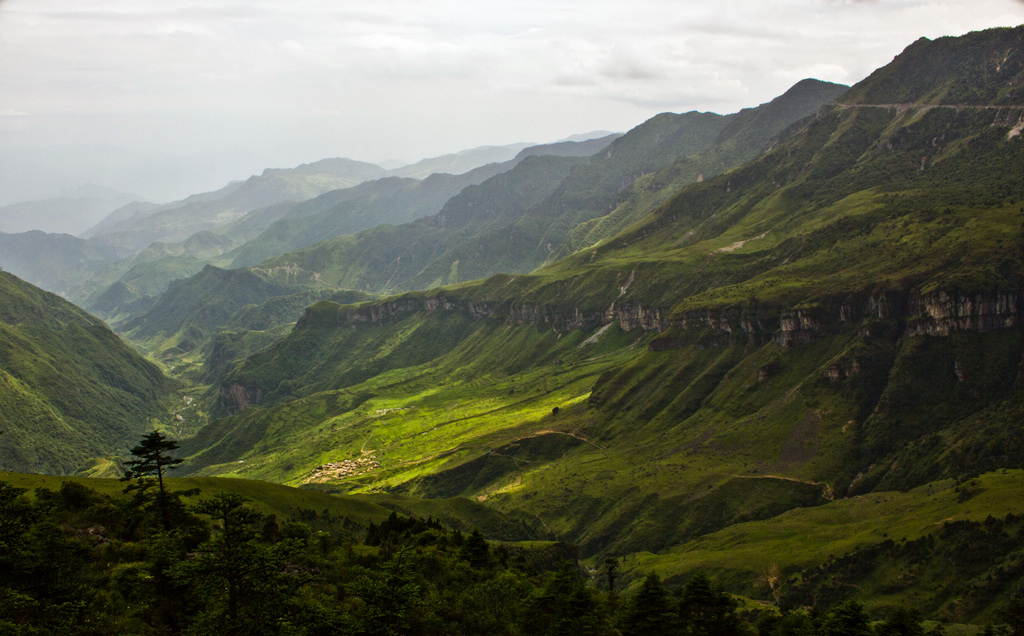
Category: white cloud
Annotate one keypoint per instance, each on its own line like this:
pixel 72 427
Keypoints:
pixel 308 78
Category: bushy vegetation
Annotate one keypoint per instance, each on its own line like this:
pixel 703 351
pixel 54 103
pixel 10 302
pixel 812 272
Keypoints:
pixel 77 561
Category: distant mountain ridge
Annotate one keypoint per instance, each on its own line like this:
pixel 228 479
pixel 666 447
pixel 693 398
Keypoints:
pixel 984 68
pixel 177 221
pixel 480 230
pixel 287 226
pixel 275 185
pixel 72 212
pixel 61 263
pixel 135 227
pixel 164 318
pixel 747 134
pixel 410 201
pixel 437 252
pixel 460 162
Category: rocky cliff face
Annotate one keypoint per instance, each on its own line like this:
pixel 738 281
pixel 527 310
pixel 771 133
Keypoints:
pixel 236 398
pixel 936 314
pixel 558 318
pixel 942 313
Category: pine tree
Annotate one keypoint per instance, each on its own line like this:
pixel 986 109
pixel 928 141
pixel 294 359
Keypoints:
pixel 611 571
pixel 243 585
pixel 651 611
pixel 475 550
pixel 1013 613
pixel 153 460
pixel 846 619
pixel 705 610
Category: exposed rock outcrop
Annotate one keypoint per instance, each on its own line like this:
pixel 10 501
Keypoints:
pixel 942 313
pixel 236 398
pixel 936 314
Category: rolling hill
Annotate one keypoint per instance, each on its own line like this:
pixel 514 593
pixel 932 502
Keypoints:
pixel 129 287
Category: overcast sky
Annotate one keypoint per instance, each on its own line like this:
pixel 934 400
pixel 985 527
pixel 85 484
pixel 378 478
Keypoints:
pixel 279 82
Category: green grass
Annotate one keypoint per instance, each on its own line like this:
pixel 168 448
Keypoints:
pixel 744 554
pixel 413 417
pixel 671 442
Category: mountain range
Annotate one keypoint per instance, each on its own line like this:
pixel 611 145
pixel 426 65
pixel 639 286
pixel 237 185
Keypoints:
pixel 837 317
pixel 499 217
pixel 783 346
pixel 237 212
pixel 72 212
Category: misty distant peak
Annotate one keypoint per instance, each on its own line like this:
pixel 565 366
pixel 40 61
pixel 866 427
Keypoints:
pixel 594 134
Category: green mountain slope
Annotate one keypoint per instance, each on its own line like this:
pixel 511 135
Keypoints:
pixel 387 257
pixel 83 269
pixel 407 252
pixel 70 389
pixel 205 301
pixel 355 512
pixel 390 201
pixel 240 309
pixel 984 68
pixel 840 316
pixel 130 287
pixel 747 134
pixel 191 311
pixel 477 232
pixel 459 162
pixel 119 288
pixel 949 550
pixel 385 202
pixel 217 301
pixel 74 524
pixel 464 243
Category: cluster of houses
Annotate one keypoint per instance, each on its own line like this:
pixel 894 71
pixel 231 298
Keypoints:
pixel 345 468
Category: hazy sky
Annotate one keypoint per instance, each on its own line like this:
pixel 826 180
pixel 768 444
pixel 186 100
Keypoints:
pixel 280 82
